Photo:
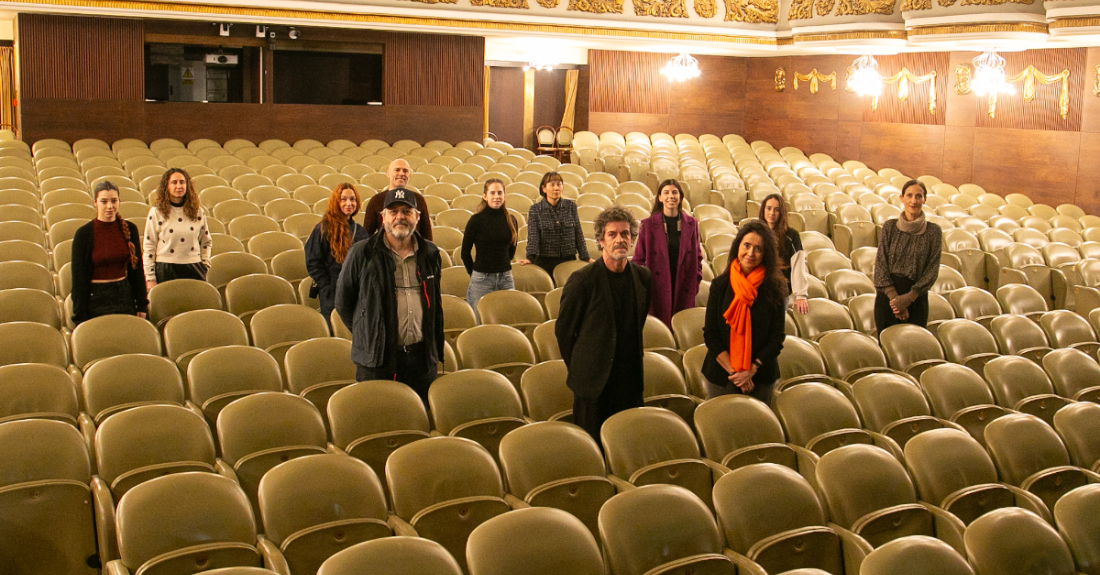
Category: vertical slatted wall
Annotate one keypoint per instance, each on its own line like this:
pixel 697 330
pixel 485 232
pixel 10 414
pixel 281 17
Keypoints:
pixel 628 82
pixel 914 109
pixel 1042 113
pixel 434 70
pixel 80 58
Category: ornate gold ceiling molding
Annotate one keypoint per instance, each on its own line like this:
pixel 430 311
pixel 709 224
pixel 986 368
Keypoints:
pixel 842 36
pixel 1075 22
pixel 388 20
pixel 984 28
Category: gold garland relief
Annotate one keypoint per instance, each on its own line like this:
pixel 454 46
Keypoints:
pixel 801 10
pixel 501 3
pixel 814 77
pixel 824 7
pixel 781 79
pixel 1028 76
pixel 902 79
pixel 597 6
pixel 660 8
pixel 1096 83
pixel 706 8
pixel 752 11
pixel 548 3
pixel 863 7
pixel 911 5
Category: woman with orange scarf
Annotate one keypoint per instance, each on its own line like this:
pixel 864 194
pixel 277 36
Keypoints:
pixel 744 327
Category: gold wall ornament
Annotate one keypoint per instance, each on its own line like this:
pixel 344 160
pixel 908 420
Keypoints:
pixel 864 7
pixel 994 2
pixel 660 8
pixel 752 11
pixel 946 3
pixel 548 3
pixel 781 79
pixel 596 6
pixel 706 8
pixel 824 7
pixel 813 78
pixel 912 5
pixel 801 10
pixel 501 3
pixel 1096 83
pixel 902 79
pixel 962 79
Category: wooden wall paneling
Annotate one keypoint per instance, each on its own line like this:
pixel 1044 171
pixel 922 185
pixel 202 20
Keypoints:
pixel 80 58
pixel 1090 102
pixel 1042 113
pixel 434 70
pixel 714 102
pixel 628 82
pixel 913 149
pixel 622 123
pixel 580 118
pixel 424 123
pixel 549 98
pixel 848 140
pixel 958 155
pixel 71 120
pixel 506 103
pixel 1087 193
pixel 960 109
pixel 1039 163
pixel 914 109
pixel 765 109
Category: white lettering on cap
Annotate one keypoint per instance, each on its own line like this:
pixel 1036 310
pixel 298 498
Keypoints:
pixel 399 194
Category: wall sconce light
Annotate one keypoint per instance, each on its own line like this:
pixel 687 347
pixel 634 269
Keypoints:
pixel 294 34
pixel 864 78
pixel 989 75
pixel 223 29
pixel 681 68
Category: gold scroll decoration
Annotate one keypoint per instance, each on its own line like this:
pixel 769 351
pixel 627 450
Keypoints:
pixel 902 79
pixel 864 7
pixel 752 11
pixel 911 5
pixel 548 3
pixel 992 2
pixel 813 78
pixel 781 79
pixel 801 10
pixel 1096 83
pixel 660 8
pixel 1029 76
pixel 501 3
pixel 824 7
pixel 706 8
pixel 597 6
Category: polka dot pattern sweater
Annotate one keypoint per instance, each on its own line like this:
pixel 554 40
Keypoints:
pixel 176 239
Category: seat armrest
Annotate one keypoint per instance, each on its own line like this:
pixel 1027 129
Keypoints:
pixel 1028 500
pixel 87 429
pixel 116 568
pixel 854 547
pixel 744 564
pixel 105 529
pixel 225 470
pixel 273 558
pixel 620 483
pixel 515 502
pixel 717 470
pixel 401 527
pixel 435 433
pixel 949 528
pixel 195 409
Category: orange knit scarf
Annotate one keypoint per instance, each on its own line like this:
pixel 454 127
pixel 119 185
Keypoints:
pixel 738 316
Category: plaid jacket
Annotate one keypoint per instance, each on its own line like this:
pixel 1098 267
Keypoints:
pixel 555 231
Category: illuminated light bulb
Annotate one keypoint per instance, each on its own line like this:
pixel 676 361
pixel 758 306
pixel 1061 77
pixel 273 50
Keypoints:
pixel 681 68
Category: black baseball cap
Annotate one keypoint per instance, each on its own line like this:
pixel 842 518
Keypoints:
pixel 400 196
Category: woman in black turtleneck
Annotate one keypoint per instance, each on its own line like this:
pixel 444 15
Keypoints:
pixel 492 230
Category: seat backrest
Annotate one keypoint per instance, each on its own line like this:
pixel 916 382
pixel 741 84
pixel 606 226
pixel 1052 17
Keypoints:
pixel 824 315
pixel 1001 541
pixel 1079 426
pixel 254 292
pixel 1022 445
pixel 1076 516
pixel 374 407
pixel 1065 328
pixel 172 298
pixel 1013 378
pixel 807 410
pixel 413 555
pixel 32 342
pixel 470 395
pixel 799 357
pixel 905 344
pixel 1021 299
pixel 687 325
pixel 883 398
pixel 537 541
pixel 758 501
pixel 653 525
pixel 1071 371
pixel 284 323
pixel 1015 333
pixel 440 469
pixel 150 441
pixel 219 375
pixel 859 479
pixel 943 461
pixel 178 518
pixel 488 345
pixel 915 555
pixel 267 421
pixel 730 422
pixel 118 383
pixel 510 307
pixel 848 351
pixel 541 453
pixel 111 335
pixel 962 338
pixel 202 329
pixel 544 391
pixel 642 436
pixel 952 387
pixel 37 391
pixel 662 376
pixel 974 302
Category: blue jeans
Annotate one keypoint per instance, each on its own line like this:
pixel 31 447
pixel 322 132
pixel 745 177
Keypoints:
pixel 482 283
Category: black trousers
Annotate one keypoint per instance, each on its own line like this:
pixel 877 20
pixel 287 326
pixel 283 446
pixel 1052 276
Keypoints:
pixel 411 370
pixel 111 298
pixel 167 272
pixel 590 413
pixel 549 263
pixel 918 310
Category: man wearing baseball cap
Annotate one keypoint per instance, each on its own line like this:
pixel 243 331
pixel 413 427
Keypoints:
pixel 388 294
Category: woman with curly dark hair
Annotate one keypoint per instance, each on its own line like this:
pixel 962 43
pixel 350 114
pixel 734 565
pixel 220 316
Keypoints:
pixel 328 244
pixel 744 327
pixel 177 240
pixel 106 265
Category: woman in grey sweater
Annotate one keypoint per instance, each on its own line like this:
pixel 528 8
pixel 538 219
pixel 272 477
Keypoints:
pixel 908 262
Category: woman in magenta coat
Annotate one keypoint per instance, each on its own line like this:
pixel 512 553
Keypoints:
pixel 669 231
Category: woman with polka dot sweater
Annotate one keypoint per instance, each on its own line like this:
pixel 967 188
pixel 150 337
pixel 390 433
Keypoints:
pixel 177 240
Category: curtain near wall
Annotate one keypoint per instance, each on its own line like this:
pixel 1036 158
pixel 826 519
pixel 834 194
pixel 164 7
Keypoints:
pixel 570 98
pixel 7 88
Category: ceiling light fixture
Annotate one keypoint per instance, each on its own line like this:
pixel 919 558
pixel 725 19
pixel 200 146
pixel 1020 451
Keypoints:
pixel 681 68
pixel 989 75
pixel 864 78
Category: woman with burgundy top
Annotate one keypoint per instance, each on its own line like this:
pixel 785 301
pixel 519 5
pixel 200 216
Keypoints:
pixel 107 272
pixel 668 244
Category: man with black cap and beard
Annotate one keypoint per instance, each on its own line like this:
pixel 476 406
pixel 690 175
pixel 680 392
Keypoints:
pixel 388 294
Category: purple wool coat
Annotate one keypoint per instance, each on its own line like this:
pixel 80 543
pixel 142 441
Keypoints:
pixel 651 251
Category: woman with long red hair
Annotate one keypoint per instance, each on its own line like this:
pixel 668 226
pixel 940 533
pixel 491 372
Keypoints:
pixel 329 243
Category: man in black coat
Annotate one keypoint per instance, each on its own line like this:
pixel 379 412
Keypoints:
pixel 599 326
